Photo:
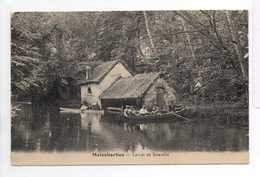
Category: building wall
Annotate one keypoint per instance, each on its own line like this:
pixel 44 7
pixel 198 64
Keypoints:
pixel 97 89
pixel 150 98
pixel 90 98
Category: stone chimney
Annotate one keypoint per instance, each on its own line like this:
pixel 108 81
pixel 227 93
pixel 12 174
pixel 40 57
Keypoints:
pixel 88 72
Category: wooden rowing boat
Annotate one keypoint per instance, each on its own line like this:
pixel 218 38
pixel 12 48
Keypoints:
pixel 119 116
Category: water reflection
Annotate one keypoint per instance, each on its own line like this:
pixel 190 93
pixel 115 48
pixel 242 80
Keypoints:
pixel 88 132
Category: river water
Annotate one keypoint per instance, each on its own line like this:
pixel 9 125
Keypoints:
pixel 91 131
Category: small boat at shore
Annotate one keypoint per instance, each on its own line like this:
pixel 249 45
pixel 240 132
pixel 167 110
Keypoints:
pixel 118 115
pixel 79 111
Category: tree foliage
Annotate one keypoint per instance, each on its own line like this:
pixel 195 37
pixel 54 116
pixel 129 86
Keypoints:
pixel 199 53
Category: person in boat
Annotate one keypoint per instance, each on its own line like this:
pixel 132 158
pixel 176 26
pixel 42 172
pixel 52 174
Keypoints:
pixel 143 110
pixel 84 106
pixel 155 109
pixel 133 110
pixel 95 106
pixel 126 111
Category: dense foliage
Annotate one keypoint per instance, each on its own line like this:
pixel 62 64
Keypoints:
pixel 202 54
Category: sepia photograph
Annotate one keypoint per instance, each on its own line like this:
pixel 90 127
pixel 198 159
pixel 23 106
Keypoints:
pixel 129 87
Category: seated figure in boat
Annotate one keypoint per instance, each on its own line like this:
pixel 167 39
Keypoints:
pixel 84 106
pixel 95 106
pixel 155 109
pixel 125 111
pixel 143 110
pixel 129 110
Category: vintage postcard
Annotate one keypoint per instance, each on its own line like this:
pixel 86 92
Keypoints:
pixel 129 87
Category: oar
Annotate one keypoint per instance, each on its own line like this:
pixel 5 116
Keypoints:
pixel 179 116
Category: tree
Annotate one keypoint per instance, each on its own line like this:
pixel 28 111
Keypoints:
pixel 25 56
pixel 236 44
pixel 184 46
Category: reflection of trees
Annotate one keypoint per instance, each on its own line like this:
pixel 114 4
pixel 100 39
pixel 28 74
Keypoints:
pixel 124 136
pixel 159 135
pixel 190 136
pixel 61 134
pixel 67 133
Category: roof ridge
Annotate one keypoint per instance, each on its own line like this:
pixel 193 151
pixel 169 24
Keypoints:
pixel 116 80
pixel 110 64
pixel 137 84
pixel 149 86
pixel 136 75
pixel 114 62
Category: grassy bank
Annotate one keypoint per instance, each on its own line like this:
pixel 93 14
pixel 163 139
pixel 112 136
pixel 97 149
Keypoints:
pixel 227 113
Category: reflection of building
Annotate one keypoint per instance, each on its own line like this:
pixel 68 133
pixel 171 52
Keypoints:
pixel 111 84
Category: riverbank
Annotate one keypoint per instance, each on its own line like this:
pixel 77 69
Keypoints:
pixel 226 113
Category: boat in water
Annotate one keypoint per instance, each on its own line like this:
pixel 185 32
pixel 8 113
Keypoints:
pixel 118 114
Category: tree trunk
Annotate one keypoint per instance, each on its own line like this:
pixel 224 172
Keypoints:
pixel 236 44
pixel 139 40
pixel 188 39
pixel 148 31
